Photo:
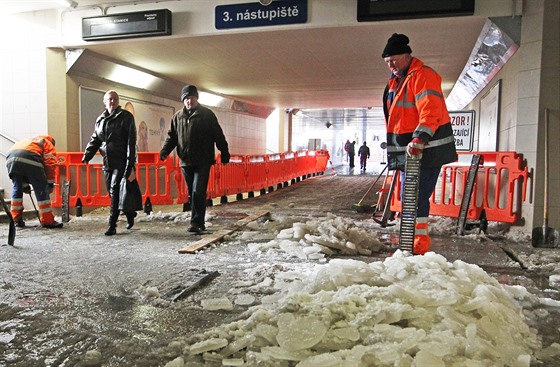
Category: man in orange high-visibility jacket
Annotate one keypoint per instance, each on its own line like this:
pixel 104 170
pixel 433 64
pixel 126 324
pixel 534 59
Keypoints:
pixel 33 162
pixel 418 125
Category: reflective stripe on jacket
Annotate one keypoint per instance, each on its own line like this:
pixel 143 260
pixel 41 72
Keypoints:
pixel 417 109
pixel 34 157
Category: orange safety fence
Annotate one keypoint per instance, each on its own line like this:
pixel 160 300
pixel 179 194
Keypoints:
pixel 499 189
pixel 275 170
pixel 163 183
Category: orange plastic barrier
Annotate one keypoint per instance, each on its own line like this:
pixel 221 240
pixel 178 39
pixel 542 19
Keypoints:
pixel 275 170
pixel 499 190
pixel 163 182
pixel 257 173
pixel 231 177
pixel 322 157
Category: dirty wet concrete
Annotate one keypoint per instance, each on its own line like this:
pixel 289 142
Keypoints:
pixel 66 292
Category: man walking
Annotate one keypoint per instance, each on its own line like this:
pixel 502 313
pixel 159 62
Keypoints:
pixel 193 132
pixel 363 153
pixel 418 125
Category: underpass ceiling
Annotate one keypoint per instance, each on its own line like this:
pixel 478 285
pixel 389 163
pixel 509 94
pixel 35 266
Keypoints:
pixel 312 68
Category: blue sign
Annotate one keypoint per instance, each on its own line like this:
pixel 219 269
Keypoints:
pixel 256 15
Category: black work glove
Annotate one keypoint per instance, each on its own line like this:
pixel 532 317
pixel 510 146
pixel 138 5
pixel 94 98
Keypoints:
pixel 224 158
pixel 84 160
pixel 162 156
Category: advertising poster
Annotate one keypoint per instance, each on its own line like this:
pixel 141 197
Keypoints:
pixel 152 120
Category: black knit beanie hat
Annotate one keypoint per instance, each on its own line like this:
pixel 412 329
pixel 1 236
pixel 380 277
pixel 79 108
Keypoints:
pixel 188 90
pixel 397 44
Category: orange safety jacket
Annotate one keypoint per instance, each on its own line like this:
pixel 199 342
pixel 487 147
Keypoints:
pixel 34 157
pixel 417 108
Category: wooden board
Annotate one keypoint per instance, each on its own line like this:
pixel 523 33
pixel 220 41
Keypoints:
pixel 219 235
pixel 195 280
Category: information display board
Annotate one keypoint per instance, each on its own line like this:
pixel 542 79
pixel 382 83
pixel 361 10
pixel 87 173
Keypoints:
pixel 127 25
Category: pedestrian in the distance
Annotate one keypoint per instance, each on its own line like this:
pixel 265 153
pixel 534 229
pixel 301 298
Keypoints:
pixel 114 135
pixel 363 153
pixel 347 149
pixel 418 125
pixel 194 132
pixel 33 162
pixel 352 153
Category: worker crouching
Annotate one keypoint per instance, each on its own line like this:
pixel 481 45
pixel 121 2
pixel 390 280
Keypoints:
pixel 33 162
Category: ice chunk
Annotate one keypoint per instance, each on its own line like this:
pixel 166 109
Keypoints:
pixel 267 332
pixel 292 248
pixel 283 354
pixel 207 345
pixel 426 359
pixel 213 304
pixel 177 362
pixel 299 230
pixel 245 300
pixel 238 345
pixel 322 360
pixel 299 332
pixel 350 333
pixel 233 362
pixel 286 233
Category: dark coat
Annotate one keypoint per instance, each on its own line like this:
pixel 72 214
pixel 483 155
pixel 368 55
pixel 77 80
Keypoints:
pixel 194 137
pixel 363 151
pixel 114 136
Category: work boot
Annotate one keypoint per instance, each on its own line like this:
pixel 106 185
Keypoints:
pixel 421 237
pixel 54 224
pixel 130 220
pixel 112 230
pixel 20 223
pixel 421 244
pixel 113 218
pixel 195 228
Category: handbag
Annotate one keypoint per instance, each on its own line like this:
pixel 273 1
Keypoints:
pixel 130 196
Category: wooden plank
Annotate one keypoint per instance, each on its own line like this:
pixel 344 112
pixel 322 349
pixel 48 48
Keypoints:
pixel 250 218
pixel 189 285
pixel 219 235
pixel 205 241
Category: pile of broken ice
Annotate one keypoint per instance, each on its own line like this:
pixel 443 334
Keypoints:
pixel 405 311
pixel 322 237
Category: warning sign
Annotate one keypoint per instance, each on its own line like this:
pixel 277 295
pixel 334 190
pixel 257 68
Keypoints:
pixel 462 123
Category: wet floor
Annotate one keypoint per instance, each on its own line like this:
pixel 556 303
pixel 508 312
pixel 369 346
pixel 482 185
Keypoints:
pixel 67 292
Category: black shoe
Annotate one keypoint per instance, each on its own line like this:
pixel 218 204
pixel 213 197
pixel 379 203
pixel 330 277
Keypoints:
pixel 111 231
pixel 130 220
pixel 54 224
pixel 194 228
pixel 20 224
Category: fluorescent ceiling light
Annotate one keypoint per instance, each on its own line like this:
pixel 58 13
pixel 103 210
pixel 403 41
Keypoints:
pixel 129 76
pixel 210 99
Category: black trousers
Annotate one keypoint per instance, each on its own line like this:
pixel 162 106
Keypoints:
pixel 113 181
pixel 196 178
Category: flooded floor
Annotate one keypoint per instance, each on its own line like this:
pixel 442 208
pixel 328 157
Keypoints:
pixel 67 292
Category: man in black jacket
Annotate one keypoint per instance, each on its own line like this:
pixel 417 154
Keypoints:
pixel 114 136
pixel 194 131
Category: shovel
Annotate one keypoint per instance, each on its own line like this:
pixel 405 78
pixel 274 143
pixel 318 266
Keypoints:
pixel 545 236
